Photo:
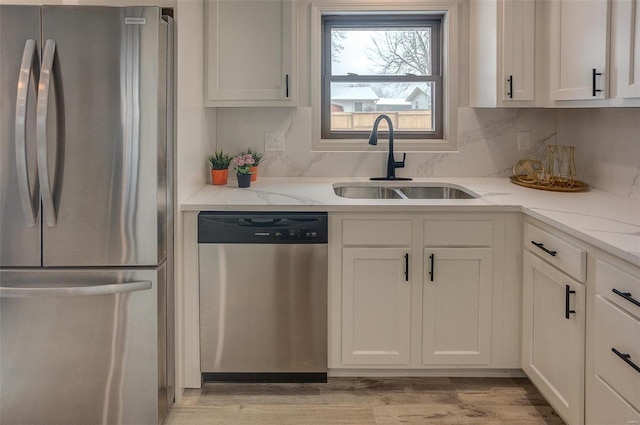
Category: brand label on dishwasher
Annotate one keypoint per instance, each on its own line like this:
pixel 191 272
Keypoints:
pixel 135 21
pixel 262 234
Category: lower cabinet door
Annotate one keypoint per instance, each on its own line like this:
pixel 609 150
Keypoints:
pixel 456 328
pixel 376 306
pixel 553 336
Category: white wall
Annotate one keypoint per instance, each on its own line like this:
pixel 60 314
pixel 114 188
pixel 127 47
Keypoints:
pixel 195 131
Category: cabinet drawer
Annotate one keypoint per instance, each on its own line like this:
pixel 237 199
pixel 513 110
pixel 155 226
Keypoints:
pixel 566 256
pixel 376 232
pixel 458 232
pixel 616 329
pixel 605 406
pixel 618 286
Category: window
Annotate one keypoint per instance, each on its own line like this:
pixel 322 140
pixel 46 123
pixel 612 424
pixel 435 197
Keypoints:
pixel 382 64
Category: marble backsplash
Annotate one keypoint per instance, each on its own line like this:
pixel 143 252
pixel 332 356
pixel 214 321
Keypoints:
pixel 607 145
pixel 487 144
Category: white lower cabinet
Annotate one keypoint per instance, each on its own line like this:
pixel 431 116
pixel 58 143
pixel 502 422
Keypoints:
pixel 387 313
pixel 456 312
pixel 553 336
pixel 376 297
pixel 613 332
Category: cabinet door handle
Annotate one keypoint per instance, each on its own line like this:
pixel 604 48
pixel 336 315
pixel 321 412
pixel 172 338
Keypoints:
pixel 286 85
pixel 594 74
pixel 567 295
pixel 627 296
pixel 541 246
pixel 406 267
pixel 432 261
pixel 510 80
pixel 627 359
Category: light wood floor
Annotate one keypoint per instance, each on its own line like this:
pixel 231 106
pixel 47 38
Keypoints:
pixel 374 401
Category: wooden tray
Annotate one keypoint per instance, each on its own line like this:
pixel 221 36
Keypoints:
pixel 577 187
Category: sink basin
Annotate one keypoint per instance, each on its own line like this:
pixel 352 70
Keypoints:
pixel 436 192
pixel 366 192
pixel 425 191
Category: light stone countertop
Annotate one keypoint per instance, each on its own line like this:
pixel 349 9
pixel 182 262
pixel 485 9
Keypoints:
pixel 607 221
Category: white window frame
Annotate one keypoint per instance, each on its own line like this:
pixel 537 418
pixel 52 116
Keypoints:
pixel 449 64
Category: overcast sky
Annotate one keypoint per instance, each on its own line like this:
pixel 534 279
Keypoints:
pixel 353 58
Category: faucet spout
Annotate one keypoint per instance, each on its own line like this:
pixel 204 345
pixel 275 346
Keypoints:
pixel 392 164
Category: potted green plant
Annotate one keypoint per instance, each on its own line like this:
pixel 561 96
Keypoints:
pixel 242 164
pixel 257 157
pixel 219 162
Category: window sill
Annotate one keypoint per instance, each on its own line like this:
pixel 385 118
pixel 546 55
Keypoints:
pixel 362 145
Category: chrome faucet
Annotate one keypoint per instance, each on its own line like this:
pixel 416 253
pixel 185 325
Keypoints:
pixel 392 164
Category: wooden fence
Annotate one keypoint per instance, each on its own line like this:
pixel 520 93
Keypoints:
pixel 415 119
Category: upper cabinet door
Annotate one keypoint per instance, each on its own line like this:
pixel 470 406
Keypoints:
pixel 626 48
pixel 501 53
pixel 518 45
pixel 250 53
pixel 578 49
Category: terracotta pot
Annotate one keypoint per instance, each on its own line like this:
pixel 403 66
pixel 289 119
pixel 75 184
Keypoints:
pixel 254 173
pixel 219 177
pixel 244 180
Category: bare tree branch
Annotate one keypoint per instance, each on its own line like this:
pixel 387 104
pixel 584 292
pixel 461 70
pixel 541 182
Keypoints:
pixel 401 52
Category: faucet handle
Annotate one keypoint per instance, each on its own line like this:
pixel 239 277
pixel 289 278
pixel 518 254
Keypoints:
pixel 400 164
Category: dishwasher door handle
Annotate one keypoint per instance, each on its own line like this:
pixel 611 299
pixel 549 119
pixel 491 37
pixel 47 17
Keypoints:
pixel 257 222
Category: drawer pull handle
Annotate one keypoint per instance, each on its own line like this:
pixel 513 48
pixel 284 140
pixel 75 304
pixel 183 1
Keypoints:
pixel 627 296
pixel 432 261
pixel 627 359
pixel 541 246
pixel 406 267
pixel 567 295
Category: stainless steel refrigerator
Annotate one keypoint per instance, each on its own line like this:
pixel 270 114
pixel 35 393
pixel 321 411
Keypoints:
pixel 85 215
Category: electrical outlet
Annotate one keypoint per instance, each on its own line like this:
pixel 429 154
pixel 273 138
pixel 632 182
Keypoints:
pixel 274 141
pixel 524 140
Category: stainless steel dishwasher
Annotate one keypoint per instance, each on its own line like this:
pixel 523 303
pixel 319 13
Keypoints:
pixel 263 296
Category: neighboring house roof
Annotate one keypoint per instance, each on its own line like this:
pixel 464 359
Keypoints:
pixel 353 93
pixel 415 93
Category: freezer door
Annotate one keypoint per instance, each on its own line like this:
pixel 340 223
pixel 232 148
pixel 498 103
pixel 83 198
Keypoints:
pixel 19 197
pixel 101 125
pixel 79 347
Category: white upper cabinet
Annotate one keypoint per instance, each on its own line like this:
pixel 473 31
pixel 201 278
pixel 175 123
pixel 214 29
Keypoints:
pixel 502 53
pixel 518 44
pixel 250 53
pixel 625 43
pixel 579 40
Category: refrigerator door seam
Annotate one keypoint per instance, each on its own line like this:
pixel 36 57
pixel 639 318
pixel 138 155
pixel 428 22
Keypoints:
pixel 46 76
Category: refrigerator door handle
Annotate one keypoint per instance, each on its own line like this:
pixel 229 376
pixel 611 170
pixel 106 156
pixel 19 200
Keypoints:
pixel 29 73
pixel 75 291
pixel 42 111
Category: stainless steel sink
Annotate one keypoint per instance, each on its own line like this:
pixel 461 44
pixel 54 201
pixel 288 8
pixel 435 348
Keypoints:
pixel 436 192
pixel 417 191
pixel 366 192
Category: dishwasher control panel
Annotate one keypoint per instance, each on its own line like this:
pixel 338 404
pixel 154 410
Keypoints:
pixel 267 227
